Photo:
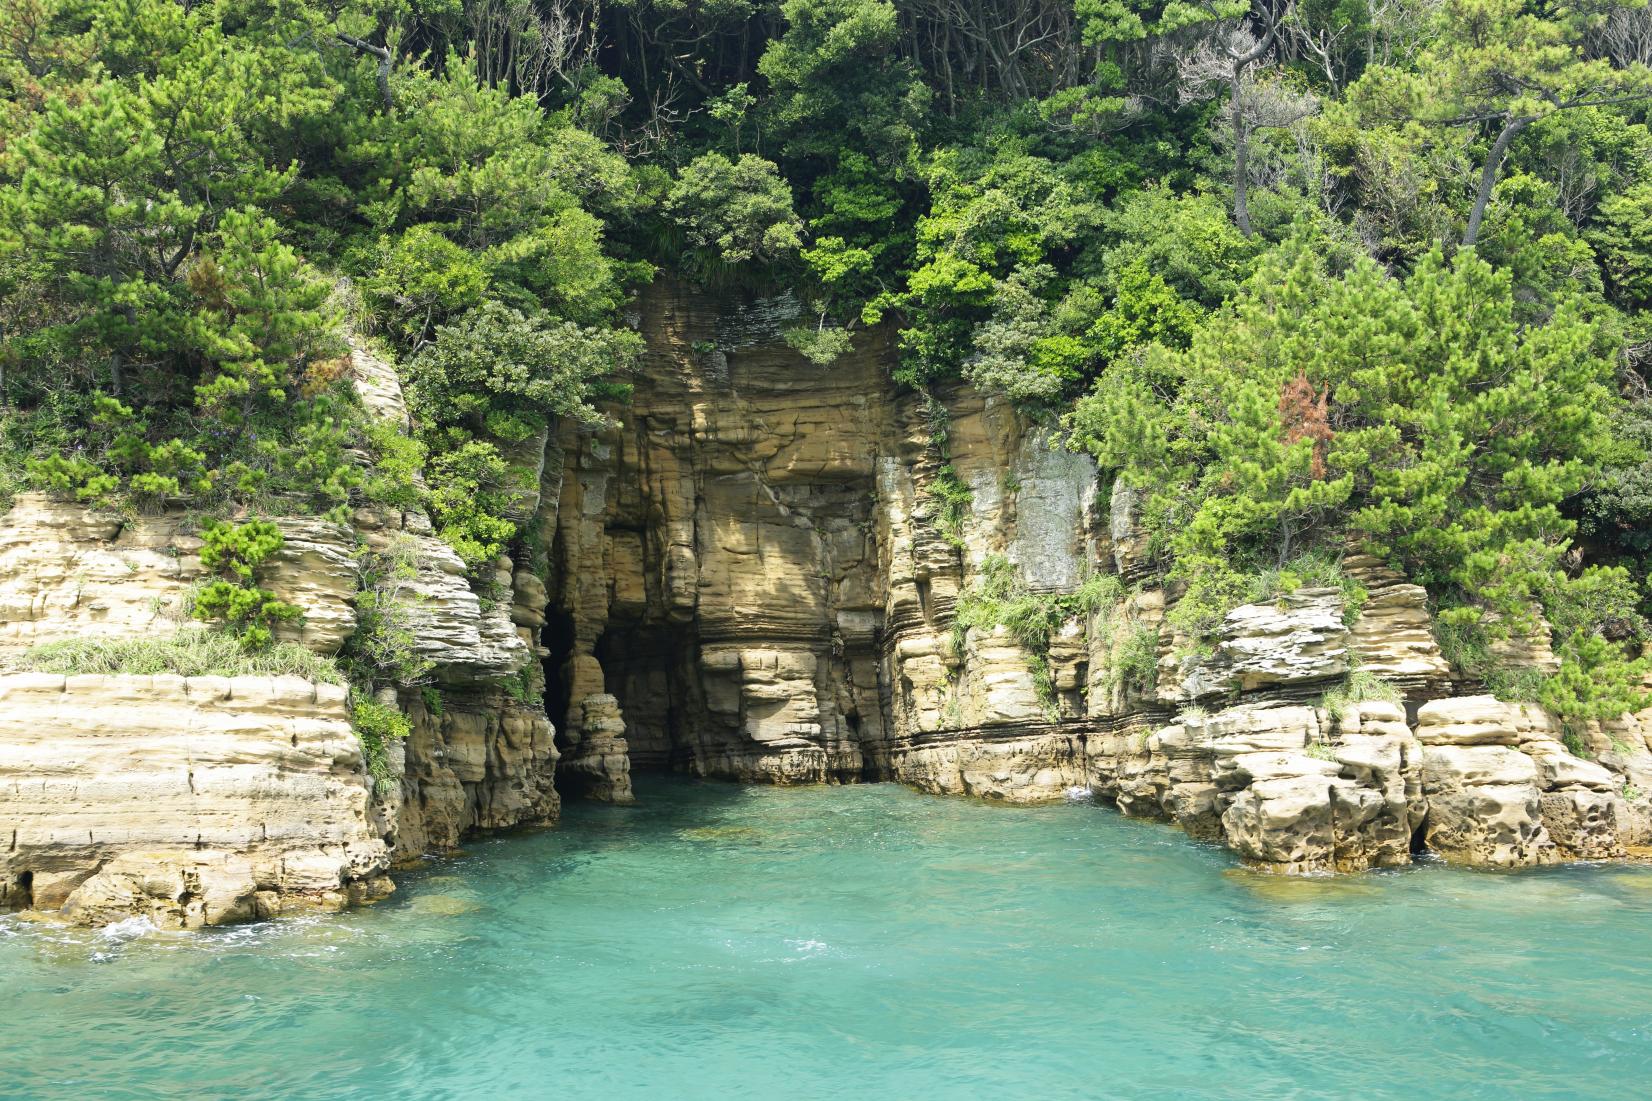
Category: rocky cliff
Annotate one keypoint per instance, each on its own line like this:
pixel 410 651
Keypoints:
pixel 763 570
pixel 210 799
pixel 755 575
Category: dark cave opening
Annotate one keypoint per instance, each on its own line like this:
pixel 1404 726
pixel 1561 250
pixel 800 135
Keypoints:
pixel 642 668
pixel 1419 837
pixel 557 636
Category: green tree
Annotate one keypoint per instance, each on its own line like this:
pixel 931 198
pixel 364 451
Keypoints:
pixel 234 552
pixel 838 81
pixel 496 366
pixel 1502 66
pixel 1416 415
pixel 734 211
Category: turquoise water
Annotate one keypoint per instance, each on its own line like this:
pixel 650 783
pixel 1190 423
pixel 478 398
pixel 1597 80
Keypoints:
pixel 868 943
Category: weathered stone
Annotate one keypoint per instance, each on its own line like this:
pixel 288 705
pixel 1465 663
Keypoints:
pixel 1299 638
pixel 1393 637
pixel 181 799
pixel 1483 806
pixel 69 573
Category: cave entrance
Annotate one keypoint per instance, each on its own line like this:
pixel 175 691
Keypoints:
pixel 643 666
pixel 557 637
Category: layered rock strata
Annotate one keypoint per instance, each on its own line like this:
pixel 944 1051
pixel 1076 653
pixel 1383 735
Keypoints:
pixel 206 800
pixel 755 574
pixel 187 801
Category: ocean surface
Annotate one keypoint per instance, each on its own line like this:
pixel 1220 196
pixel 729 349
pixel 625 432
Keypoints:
pixel 863 942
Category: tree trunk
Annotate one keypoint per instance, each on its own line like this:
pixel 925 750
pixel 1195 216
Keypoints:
pixel 1241 161
pixel 1488 175
pixel 386 59
pixel 1241 131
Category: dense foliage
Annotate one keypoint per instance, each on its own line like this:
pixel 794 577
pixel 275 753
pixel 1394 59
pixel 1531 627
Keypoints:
pixel 1306 274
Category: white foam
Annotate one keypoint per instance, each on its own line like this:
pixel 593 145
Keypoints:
pixel 128 929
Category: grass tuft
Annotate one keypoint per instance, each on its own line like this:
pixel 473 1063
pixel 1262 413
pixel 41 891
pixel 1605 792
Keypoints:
pixel 189 653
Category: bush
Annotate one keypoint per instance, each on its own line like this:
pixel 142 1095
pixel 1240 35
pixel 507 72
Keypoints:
pixel 1316 569
pixel 377 725
pixel 495 360
pixel 1418 416
pixel 393 480
pixel 382 649
pixel 423 279
pixel 817 343
pixel 1597 680
pixel 235 551
pixel 470 491
pixel 1136 662
pixel 1000 599
pixel 735 210
pixel 1357 688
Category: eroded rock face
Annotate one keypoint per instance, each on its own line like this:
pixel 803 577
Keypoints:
pixel 187 801
pixel 714 567
pixel 67 572
pixel 479 761
pixel 1289 787
pixel 1504 790
pixel 755 575
pixel 207 800
pixel 1301 638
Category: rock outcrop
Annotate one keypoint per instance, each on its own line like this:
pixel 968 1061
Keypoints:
pixel 203 800
pixel 67 572
pixel 186 801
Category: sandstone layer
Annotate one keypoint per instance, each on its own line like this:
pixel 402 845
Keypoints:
pixel 203 800
pixel 187 801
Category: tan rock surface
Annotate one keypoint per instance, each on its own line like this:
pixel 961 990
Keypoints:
pixel 187 801
pixel 67 572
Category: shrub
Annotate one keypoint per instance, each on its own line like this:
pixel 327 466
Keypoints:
pixel 952 504
pixel 1136 661
pixel 734 210
pixel 234 552
pixel 382 649
pixel 397 458
pixel 470 491
pixel 423 279
pixel 1316 569
pixel 1597 680
pixel 1357 688
pixel 951 496
pixel 1418 415
pixel 818 344
pixel 377 725
pixel 498 360
pixel 1000 599
pixel 432 697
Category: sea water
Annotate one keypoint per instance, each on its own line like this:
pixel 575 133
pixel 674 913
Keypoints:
pixel 866 942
